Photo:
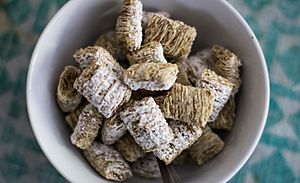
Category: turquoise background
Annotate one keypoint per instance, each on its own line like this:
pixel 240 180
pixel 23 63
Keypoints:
pixel 276 23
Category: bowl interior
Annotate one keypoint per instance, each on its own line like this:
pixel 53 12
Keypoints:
pixel 79 23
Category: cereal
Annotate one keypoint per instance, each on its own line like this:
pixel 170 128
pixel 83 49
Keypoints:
pixel 129 149
pixel 146 167
pixel 182 77
pixel 72 117
pixel 175 37
pixel 188 104
pixel 113 128
pixel 67 97
pixel 151 76
pixel 129 25
pixel 147 125
pixel 107 162
pixel 206 147
pixel 86 130
pixel 227 65
pixel 102 86
pixel 219 86
pixel 150 52
pixel 206 56
pixel 183 157
pixel 226 116
pixel 148 14
pixel 108 41
pixel 184 136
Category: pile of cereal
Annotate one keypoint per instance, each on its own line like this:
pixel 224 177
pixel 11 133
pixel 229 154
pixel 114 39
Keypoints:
pixel 138 95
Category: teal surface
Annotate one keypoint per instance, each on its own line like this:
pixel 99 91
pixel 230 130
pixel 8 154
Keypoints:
pixel 277 26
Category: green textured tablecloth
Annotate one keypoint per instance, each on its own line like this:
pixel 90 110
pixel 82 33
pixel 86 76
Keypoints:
pixel 277 26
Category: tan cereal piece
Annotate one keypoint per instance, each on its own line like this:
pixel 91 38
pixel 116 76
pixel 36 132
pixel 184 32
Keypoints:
pixel 146 166
pixel 72 117
pixel 86 130
pixel 193 67
pixel 107 162
pixel 182 77
pixel 175 37
pixel 108 41
pixel 221 88
pixel 103 87
pixel 129 25
pixel 148 14
pixel 150 52
pixel 188 104
pixel 226 116
pixel 113 129
pixel 182 158
pixel 129 149
pixel 206 147
pixel 67 97
pixel 99 55
pixel 227 65
pixel 184 136
pixel 151 76
pixel 146 124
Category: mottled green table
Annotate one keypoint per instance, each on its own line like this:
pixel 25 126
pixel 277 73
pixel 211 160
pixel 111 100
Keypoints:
pixel 277 26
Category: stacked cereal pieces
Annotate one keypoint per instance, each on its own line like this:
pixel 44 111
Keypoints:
pixel 175 36
pixel 151 76
pixel 151 101
pixel 68 98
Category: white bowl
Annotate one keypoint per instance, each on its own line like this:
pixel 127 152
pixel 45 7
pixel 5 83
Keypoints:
pixel 78 24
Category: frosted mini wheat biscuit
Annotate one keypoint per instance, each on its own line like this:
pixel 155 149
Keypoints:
pixel 150 52
pixel 146 167
pixel 67 97
pixel 148 14
pixel 221 88
pixel 107 162
pixel 129 149
pixel 182 158
pixel 227 65
pixel 113 128
pixel 151 76
pixel 226 116
pixel 146 124
pixel 86 130
pixel 188 104
pixel 206 147
pixel 175 37
pixel 102 86
pixel 108 41
pixel 182 77
pixel 129 25
pixel 72 117
pixel 184 136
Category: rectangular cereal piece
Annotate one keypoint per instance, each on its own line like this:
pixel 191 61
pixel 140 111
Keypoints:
pixel 73 117
pixel 182 77
pixel 206 147
pixel 227 64
pixel 129 149
pixel 151 76
pixel 108 41
pixel 175 37
pixel 226 116
pixel 182 158
pixel 188 104
pixel 67 97
pixel 146 166
pixel 150 52
pixel 113 129
pixel 86 130
pixel 107 162
pixel 184 136
pixel 129 25
pixel 147 125
pixel 221 88
pixel 103 88
pixel 148 14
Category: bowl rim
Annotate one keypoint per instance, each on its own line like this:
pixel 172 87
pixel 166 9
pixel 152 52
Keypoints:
pixel 241 20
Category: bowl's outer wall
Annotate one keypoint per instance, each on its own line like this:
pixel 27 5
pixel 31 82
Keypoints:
pixel 79 23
